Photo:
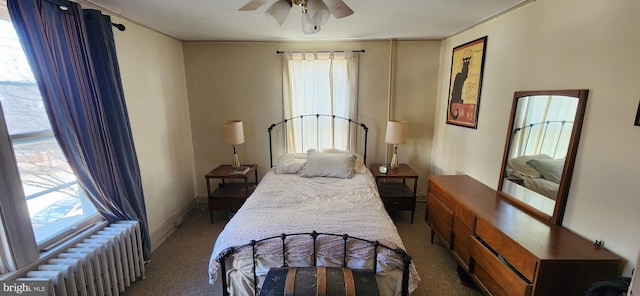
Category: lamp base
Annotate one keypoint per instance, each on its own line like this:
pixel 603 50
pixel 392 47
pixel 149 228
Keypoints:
pixel 394 161
pixel 236 161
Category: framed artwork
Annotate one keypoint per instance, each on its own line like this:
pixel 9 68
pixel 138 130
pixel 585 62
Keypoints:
pixel 637 122
pixel 467 63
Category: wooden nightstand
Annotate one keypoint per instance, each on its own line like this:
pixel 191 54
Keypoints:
pixel 397 196
pixel 229 195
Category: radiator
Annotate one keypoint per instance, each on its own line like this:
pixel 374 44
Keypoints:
pixel 106 262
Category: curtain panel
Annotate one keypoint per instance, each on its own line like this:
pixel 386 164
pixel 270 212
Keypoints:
pixel 72 54
pixel 320 83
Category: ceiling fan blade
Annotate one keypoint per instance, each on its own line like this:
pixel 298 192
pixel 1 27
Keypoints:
pixel 279 10
pixel 338 8
pixel 253 5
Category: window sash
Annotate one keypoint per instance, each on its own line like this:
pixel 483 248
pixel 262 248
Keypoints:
pixel 320 83
pixel 19 244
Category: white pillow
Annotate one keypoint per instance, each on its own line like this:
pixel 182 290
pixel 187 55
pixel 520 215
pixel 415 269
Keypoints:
pixel 291 163
pixel 321 164
pixel 358 165
pixel 520 164
pixel 550 169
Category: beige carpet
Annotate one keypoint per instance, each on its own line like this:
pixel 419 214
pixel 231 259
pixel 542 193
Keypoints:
pixel 179 265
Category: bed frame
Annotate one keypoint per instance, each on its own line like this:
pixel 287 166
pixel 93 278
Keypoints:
pixel 375 245
pixel 353 133
pixel 299 120
pixel 528 129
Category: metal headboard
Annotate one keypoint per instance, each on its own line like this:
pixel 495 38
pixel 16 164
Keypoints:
pixel 528 129
pixel 287 123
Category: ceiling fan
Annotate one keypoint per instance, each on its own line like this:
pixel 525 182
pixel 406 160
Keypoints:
pixel 315 13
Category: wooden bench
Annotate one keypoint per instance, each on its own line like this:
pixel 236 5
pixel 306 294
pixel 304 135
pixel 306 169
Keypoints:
pixel 319 281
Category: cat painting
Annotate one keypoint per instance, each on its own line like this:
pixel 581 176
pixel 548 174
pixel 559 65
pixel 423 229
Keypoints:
pixel 467 63
pixel 458 83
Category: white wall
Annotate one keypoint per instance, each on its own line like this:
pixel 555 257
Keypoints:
pixel 153 78
pixel 568 44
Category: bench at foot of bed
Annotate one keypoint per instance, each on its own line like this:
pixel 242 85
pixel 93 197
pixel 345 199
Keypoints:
pixel 319 281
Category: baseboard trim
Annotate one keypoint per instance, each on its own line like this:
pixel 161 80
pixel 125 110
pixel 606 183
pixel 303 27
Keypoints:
pixel 169 227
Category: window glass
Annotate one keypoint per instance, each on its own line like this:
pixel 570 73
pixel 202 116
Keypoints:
pixel 55 201
pixel 320 85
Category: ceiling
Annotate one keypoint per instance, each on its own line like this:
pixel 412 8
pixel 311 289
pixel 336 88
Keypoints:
pixel 220 20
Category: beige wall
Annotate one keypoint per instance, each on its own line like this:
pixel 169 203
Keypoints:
pixel 543 45
pixel 566 44
pixel 243 80
pixel 153 79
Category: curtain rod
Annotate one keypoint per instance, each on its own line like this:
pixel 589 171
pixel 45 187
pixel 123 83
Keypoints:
pixel 119 26
pixel 359 50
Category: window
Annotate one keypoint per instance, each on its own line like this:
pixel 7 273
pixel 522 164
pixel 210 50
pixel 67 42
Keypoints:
pixel 56 203
pixel 545 124
pixel 320 83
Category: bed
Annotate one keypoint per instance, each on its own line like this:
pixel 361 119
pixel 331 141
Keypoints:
pixel 538 164
pixel 312 192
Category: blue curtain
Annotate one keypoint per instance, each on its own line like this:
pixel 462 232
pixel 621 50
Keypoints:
pixel 72 54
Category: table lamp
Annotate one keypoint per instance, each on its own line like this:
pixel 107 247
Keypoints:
pixel 233 134
pixel 396 134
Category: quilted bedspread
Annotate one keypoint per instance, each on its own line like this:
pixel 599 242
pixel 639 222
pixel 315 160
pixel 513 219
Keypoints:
pixel 288 203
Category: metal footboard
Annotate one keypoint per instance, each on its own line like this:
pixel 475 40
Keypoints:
pixel 375 245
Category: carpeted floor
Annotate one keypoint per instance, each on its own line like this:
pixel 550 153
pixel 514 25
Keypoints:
pixel 179 265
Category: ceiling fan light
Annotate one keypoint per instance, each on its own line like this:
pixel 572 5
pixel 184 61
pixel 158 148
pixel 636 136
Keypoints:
pixel 308 27
pixel 318 12
pixel 279 11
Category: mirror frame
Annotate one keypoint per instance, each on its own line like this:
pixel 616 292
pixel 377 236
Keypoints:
pixel 567 172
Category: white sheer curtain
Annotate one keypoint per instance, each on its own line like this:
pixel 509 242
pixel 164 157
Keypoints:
pixel 320 83
pixel 552 138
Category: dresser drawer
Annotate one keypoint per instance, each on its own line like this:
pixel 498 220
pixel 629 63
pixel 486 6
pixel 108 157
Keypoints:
pixel 462 237
pixel 447 200
pixel 466 217
pixel 496 276
pixel 440 218
pixel 515 254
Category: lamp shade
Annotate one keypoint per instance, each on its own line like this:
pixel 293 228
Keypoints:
pixel 232 132
pixel 396 132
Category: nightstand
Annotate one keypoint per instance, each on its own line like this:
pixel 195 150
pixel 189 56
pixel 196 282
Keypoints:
pixel 397 196
pixel 229 196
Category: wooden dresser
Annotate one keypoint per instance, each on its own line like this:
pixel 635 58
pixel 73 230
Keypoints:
pixel 507 251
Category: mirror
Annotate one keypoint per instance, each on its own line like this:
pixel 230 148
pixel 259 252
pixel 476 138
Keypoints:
pixel 540 150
